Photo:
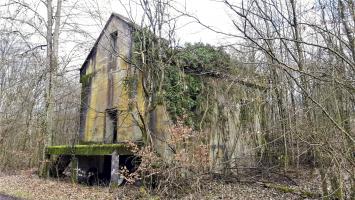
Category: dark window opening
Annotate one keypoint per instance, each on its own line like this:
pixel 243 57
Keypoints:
pixel 111 125
pixel 114 50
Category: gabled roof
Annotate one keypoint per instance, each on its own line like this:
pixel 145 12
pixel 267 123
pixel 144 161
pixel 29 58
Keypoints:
pixel 113 15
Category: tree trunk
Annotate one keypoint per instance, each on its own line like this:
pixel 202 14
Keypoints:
pixel 52 62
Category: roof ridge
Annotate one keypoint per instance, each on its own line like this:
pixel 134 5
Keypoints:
pixel 113 14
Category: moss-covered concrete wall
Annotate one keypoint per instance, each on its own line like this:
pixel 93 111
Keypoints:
pixel 228 113
pixel 233 124
pixel 105 81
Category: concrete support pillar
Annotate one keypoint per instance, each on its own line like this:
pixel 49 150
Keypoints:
pixel 116 179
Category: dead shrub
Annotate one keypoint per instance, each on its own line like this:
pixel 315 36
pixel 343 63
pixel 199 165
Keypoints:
pixel 182 173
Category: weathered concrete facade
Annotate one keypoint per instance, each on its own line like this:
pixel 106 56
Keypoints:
pixel 110 86
pixel 113 97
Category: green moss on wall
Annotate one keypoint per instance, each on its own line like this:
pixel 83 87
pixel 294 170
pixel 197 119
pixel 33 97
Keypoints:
pixel 85 79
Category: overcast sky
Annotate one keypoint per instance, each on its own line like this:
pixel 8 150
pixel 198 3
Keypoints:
pixel 91 15
pixel 210 12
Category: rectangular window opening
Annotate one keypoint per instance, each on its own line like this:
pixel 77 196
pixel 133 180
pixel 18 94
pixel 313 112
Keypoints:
pixel 111 125
pixel 114 50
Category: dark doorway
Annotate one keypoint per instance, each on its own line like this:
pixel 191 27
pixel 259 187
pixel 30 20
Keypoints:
pixel 111 126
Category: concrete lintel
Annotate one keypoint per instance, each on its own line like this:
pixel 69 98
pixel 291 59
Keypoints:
pixel 89 150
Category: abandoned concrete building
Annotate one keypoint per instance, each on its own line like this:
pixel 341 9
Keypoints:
pixel 105 95
pixel 107 121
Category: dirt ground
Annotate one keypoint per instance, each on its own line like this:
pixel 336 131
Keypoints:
pixel 7 197
pixel 27 185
